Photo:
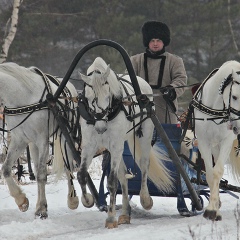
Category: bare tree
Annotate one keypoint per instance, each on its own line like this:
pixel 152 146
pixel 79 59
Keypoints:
pixel 10 32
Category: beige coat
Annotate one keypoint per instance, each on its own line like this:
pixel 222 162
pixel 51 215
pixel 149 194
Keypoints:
pixel 174 74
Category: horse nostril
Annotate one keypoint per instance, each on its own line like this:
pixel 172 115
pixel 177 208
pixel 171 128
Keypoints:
pixel 235 130
pixel 101 131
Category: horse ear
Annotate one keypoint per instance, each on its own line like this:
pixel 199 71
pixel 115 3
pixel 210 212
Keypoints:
pixel 84 77
pixel 107 72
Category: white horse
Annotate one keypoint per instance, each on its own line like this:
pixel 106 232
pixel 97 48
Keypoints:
pixel 216 111
pixel 107 101
pixel 23 94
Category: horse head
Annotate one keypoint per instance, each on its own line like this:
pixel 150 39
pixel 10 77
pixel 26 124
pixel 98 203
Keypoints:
pixel 231 98
pixel 98 95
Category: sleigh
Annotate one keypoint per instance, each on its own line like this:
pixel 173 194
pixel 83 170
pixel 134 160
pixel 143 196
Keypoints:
pixel 189 178
pixel 194 170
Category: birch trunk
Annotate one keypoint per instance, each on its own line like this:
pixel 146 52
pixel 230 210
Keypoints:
pixel 13 21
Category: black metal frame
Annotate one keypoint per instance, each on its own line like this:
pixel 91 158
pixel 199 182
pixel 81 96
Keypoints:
pixel 143 102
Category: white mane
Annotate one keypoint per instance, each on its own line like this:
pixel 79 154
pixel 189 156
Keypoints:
pixel 24 75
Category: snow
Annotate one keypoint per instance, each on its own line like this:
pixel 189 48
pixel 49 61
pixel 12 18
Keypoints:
pixel 161 222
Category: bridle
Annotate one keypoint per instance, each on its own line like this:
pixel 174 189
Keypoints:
pixel 89 112
pixel 222 114
pixel 116 104
pixel 98 116
pixel 224 84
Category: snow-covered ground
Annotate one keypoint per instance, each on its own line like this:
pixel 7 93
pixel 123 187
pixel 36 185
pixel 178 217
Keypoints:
pixel 161 222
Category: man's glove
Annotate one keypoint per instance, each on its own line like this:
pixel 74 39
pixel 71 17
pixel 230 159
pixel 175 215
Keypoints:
pixel 168 93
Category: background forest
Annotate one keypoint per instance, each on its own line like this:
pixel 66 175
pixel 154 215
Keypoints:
pixel 205 33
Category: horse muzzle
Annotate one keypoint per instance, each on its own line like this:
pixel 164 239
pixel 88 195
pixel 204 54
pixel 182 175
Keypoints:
pixel 101 131
pixel 234 128
pixel 232 125
pixel 101 126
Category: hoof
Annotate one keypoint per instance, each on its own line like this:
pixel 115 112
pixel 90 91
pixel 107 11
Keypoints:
pixel 147 205
pixel 218 218
pixel 88 200
pixel 73 202
pixel 42 215
pixel 211 215
pixel 124 219
pixel 103 208
pixel 111 225
pixel 24 206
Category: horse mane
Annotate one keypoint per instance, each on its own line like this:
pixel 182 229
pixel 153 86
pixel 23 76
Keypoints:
pixel 22 74
pixel 97 80
pixel 234 66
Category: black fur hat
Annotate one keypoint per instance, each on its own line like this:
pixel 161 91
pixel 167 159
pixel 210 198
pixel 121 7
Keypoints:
pixel 154 29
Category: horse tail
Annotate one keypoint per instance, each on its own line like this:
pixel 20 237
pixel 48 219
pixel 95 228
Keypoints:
pixel 58 162
pixel 157 172
pixel 235 161
pixel 62 157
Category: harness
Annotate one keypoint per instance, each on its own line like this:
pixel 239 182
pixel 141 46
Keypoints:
pixel 41 104
pixel 215 114
pixel 197 103
pixel 112 111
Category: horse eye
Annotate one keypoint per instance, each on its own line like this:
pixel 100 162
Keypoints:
pixel 234 97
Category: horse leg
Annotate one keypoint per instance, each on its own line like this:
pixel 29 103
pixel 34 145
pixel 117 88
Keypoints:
pixel 145 146
pixel 73 200
pixel 16 147
pixel 212 211
pixel 82 175
pixel 145 198
pixel 112 180
pixel 213 177
pixel 206 153
pixel 209 213
pixel 41 176
pixel 126 209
